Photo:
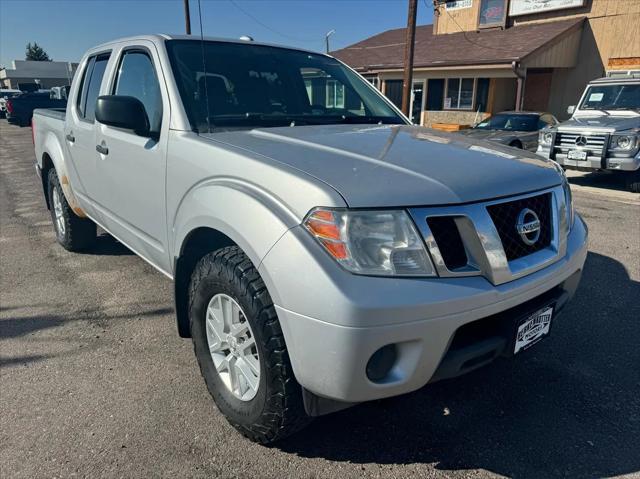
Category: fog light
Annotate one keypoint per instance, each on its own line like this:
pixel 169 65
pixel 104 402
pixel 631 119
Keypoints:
pixel 381 362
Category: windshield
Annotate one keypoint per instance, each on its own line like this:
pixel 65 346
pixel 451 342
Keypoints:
pixel 612 97
pixel 510 122
pixel 245 85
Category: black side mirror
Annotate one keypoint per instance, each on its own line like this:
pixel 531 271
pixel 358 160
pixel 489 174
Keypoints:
pixel 124 112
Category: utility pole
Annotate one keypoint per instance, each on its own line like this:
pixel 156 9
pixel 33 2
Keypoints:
pixel 326 39
pixel 408 56
pixel 187 17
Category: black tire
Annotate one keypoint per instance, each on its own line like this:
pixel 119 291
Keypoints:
pixel 516 144
pixel 277 409
pixel 633 182
pixel 79 233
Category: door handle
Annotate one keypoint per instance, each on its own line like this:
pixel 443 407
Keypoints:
pixel 70 138
pixel 102 149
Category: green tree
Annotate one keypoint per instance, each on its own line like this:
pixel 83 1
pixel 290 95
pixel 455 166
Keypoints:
pixel 35 53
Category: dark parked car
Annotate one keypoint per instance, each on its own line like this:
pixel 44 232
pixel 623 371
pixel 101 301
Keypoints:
pixel 513 128
pixel 20 108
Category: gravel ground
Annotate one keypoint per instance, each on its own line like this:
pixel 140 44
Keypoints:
pixel 94 381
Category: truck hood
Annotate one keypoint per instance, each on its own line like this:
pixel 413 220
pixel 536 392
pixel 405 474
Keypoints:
pixel 392 165
pixel 608 123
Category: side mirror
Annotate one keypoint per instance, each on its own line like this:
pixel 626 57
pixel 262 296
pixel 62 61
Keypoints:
pixel 571 109
pixel 124 112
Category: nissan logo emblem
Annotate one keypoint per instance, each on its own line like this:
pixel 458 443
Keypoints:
pixel 581 141
pixel 528 226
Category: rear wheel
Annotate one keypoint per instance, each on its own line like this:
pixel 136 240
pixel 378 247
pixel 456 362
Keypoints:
pixel 72 232
pixel 240 348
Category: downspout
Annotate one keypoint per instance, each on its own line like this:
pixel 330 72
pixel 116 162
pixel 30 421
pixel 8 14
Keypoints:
pixel 520 79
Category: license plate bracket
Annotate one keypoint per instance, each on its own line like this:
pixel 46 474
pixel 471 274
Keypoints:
pixel 532 328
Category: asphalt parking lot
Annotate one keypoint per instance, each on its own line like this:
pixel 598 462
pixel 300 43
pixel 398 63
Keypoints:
pixel 94 381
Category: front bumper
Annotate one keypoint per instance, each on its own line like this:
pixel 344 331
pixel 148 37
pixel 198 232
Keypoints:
pixel 334 321
pixel 592 163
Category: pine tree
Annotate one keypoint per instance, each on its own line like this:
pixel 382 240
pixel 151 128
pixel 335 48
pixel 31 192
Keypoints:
pixel 35 53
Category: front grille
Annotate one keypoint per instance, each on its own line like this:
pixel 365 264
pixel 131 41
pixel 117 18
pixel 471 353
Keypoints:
pixel 593 143
pixel 505 218
pixel 449 242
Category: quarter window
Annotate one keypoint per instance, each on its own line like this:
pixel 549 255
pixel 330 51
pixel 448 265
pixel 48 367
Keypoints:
pixel 137 77
pixel 90 86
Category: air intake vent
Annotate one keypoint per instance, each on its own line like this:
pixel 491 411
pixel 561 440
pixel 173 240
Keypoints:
pixel 447 236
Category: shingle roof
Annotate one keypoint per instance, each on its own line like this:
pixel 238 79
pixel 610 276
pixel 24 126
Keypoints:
pixel 386 50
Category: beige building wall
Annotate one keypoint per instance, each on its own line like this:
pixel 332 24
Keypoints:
pixel 610 39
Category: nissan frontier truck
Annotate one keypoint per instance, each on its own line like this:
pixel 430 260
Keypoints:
pixel 324 251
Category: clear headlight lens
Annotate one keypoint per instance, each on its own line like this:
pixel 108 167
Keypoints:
pixel 371 242
pixel 624 142
pixel 545 137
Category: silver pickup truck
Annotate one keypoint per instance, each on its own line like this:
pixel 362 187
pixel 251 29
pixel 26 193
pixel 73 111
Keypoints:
pixel 603 133
pixel 324 251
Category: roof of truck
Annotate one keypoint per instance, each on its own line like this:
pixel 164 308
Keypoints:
pixel 620 79
pixel 161 37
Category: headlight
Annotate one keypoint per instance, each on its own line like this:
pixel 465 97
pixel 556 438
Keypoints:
pixel 623 142
pixel 371 242
pixel 545 137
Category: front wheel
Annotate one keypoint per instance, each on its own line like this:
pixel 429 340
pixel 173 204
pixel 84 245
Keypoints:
pixel 72 232
pixel 240 348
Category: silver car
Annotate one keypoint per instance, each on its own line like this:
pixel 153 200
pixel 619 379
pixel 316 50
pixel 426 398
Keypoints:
pixel 518 129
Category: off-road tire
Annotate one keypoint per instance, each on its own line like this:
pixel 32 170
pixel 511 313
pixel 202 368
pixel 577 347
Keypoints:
pixel 277 409
pixel 79 233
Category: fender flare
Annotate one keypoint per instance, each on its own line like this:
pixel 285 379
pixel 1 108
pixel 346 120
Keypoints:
pixel 233 210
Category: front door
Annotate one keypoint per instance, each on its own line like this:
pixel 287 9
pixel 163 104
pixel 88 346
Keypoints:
pixel 131 167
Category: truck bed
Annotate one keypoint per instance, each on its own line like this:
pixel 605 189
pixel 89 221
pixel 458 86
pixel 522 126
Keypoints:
pixel 57 113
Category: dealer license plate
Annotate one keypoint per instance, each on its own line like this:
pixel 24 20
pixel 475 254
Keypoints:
pixel 533 329
pixel 577 155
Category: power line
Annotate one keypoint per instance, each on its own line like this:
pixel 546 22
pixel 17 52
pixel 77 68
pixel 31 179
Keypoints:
pixel 273 30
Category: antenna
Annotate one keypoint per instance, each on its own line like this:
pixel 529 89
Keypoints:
pixel 204 69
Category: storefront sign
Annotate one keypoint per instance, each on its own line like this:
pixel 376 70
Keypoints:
pixel 525 7
pixel 458 4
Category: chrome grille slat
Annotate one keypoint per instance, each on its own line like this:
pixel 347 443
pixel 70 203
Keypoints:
pixel 484 241
pixel 595 142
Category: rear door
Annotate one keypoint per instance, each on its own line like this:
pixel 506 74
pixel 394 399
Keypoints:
pixel 80 135
pixel 132 168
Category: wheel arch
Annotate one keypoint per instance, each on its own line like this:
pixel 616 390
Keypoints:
pixel 197 243
pixel 53 157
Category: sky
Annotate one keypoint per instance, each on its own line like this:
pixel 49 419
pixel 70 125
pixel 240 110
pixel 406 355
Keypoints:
pixel 67 28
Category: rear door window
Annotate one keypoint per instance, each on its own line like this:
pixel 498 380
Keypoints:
pixel 90 86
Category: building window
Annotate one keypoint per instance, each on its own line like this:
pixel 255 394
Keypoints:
pixel 459 94
pixel 374 80
pixel 492 13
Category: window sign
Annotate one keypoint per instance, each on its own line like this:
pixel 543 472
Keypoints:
pixel 492 13
pixel 458 4
pixel 525 7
